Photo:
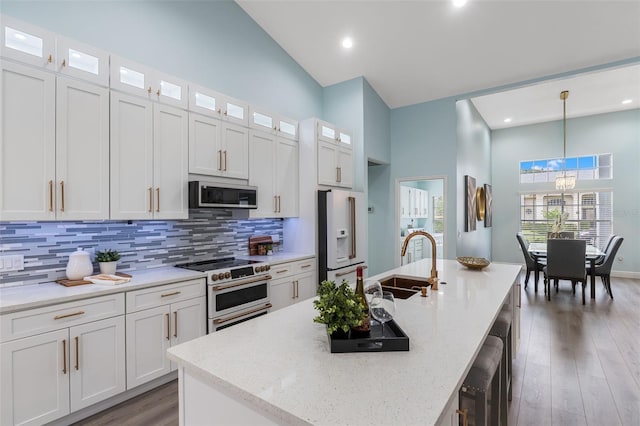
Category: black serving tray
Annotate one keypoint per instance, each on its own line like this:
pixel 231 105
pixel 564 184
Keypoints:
pixel 394 339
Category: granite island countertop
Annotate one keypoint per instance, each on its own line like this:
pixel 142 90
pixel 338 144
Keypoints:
pixel 280 364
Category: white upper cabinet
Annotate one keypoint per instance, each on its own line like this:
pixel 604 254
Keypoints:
pixel 335 156
pixel 274 123
pixel 213 104
pixel 82 61
pixel 27 43
pixel 218 148
pixel 149 159
pixel 140 80
pixel 27 143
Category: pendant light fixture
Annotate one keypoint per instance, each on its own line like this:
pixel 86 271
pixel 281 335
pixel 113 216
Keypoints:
pixel 564 182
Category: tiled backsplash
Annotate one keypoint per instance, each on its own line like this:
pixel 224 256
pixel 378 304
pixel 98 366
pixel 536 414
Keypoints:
pixel 143 244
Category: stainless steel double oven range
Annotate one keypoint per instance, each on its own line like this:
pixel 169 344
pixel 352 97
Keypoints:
pixel 237 290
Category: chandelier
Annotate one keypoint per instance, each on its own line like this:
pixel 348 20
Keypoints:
pixel 564 182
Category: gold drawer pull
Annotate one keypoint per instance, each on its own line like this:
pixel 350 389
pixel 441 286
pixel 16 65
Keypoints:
pixel 281 271
pixel 64 356
pixel 77 353
pixel 57 317
pixel 170 294
pixel 168 327
pixel 175 324
pixel 306 266
pixel 50 195
pixel 150 199
pixel 465 416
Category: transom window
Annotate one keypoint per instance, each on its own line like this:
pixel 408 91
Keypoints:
pixel 588 167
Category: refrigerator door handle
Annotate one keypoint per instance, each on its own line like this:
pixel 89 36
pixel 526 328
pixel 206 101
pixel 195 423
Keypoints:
pixel 352 208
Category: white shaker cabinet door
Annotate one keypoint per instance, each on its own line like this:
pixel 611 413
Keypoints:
pixel 261 161
pixel 345 167
pixel 205 151
pixel 27 143
pixel 148 338
pixel 305 286
pixel 82 151
pixel 97 361
pixel 327 166
pixel 286 177
pixel 170 162
pixel 235 152
pixel 131 157
pixel 189 321
pixel 34 369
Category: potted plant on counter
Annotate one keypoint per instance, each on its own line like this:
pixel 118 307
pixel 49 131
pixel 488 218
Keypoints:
pixel 339 308
pixel 107 259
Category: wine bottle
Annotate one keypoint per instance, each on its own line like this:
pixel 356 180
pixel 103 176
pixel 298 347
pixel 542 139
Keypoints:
pixel 362 329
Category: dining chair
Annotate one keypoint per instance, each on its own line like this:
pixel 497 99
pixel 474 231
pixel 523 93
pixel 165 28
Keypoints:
pixel 603 270
pixel 533 263
pixel 605 248
pixel 565 261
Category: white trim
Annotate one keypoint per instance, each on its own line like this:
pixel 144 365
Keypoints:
pixel 626 274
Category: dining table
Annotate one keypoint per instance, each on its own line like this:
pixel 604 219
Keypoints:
pixel 592 254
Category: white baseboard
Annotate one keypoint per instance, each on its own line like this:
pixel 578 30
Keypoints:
pixel 114 400
pixel 626 274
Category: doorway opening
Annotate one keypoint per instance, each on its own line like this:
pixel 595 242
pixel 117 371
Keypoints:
pixel 420 206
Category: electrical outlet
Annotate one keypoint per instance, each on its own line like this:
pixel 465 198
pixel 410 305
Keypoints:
pixel 12 263
pixel 620 258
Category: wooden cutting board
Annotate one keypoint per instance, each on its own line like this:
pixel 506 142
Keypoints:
pixel 256 242
pixel 71 283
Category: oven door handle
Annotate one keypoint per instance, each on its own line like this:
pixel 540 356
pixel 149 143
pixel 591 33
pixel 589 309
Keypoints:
pixel 239 283
pixel 242 314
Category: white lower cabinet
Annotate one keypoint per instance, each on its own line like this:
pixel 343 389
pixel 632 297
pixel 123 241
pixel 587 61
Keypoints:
pixel 158 318
pixel 292 282
pixel 451 415
pixel 72 359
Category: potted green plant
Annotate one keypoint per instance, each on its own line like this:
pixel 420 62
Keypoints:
pixel 339 308
pixel 107 259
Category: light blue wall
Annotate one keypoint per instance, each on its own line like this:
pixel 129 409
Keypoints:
pixel 343 106
pixel 212 43
pixel 376 126
pixel 615 133
pixel 423 143
pixel 473 159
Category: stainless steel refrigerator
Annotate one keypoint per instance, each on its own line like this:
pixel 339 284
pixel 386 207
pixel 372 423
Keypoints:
pixel 341 234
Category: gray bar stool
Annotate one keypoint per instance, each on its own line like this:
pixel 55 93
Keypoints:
pixel 484 372
pixel 502 328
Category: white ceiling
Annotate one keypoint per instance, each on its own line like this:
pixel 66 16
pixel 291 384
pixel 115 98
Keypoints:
pixel 421 50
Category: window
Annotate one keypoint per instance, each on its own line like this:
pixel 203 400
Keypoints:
pixel 589 215
pixel 588 167
pixel 438 214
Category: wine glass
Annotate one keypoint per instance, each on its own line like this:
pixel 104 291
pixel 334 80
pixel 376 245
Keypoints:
pixel 370 288
pixel 383 307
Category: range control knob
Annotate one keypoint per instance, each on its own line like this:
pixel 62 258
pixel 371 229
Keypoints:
pixel 214 277
pixel 227 274
pixel 258 268
pixel 267 267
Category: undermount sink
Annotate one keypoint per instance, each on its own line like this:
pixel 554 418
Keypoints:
pixel 402 288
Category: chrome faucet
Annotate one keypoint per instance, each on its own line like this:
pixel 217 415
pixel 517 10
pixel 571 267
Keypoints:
pixel 433 279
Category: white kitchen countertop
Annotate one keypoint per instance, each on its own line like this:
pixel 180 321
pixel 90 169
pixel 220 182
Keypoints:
pixel 37 295
pixel 279 257
pixel 281 365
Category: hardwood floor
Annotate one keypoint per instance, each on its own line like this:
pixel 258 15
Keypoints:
pixel 577 365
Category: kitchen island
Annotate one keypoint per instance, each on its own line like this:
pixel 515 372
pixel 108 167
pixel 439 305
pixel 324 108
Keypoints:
pixel 278 369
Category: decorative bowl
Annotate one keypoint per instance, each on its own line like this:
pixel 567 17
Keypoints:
pixel 473 262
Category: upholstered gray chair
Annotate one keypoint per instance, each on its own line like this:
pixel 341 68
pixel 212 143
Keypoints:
pixel 605 248
pixel 565 261
pixel 603 270
pixel 533 264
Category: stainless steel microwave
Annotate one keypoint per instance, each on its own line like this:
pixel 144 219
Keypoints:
pixel 225 196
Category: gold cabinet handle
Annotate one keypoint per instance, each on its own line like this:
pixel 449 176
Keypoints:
pixel 149 90
pixel 340 174
pixel 62 195
pixel 465 416
pixel 337 174
pixel 150 199
pixel 297 289
pixel 306 266
pixel 175 324
pixel 275 204
pixel 170 294
pixel 168 327
pixel 64 63
pixel 50 195
pixel 293 289
pixel 64 356
pixel 225 158
pixel 157 199
pixel 219 159
pixel 77 353
pixel 278 204
pixel 519 296
pixel 225 113
pixel 158 92
pixel 50 59
pixel 281 271
pixel 57 317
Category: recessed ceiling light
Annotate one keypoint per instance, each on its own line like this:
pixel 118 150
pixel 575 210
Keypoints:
pixel 627 101
pixel 507 120
pixel 459 3
pixel 347 42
